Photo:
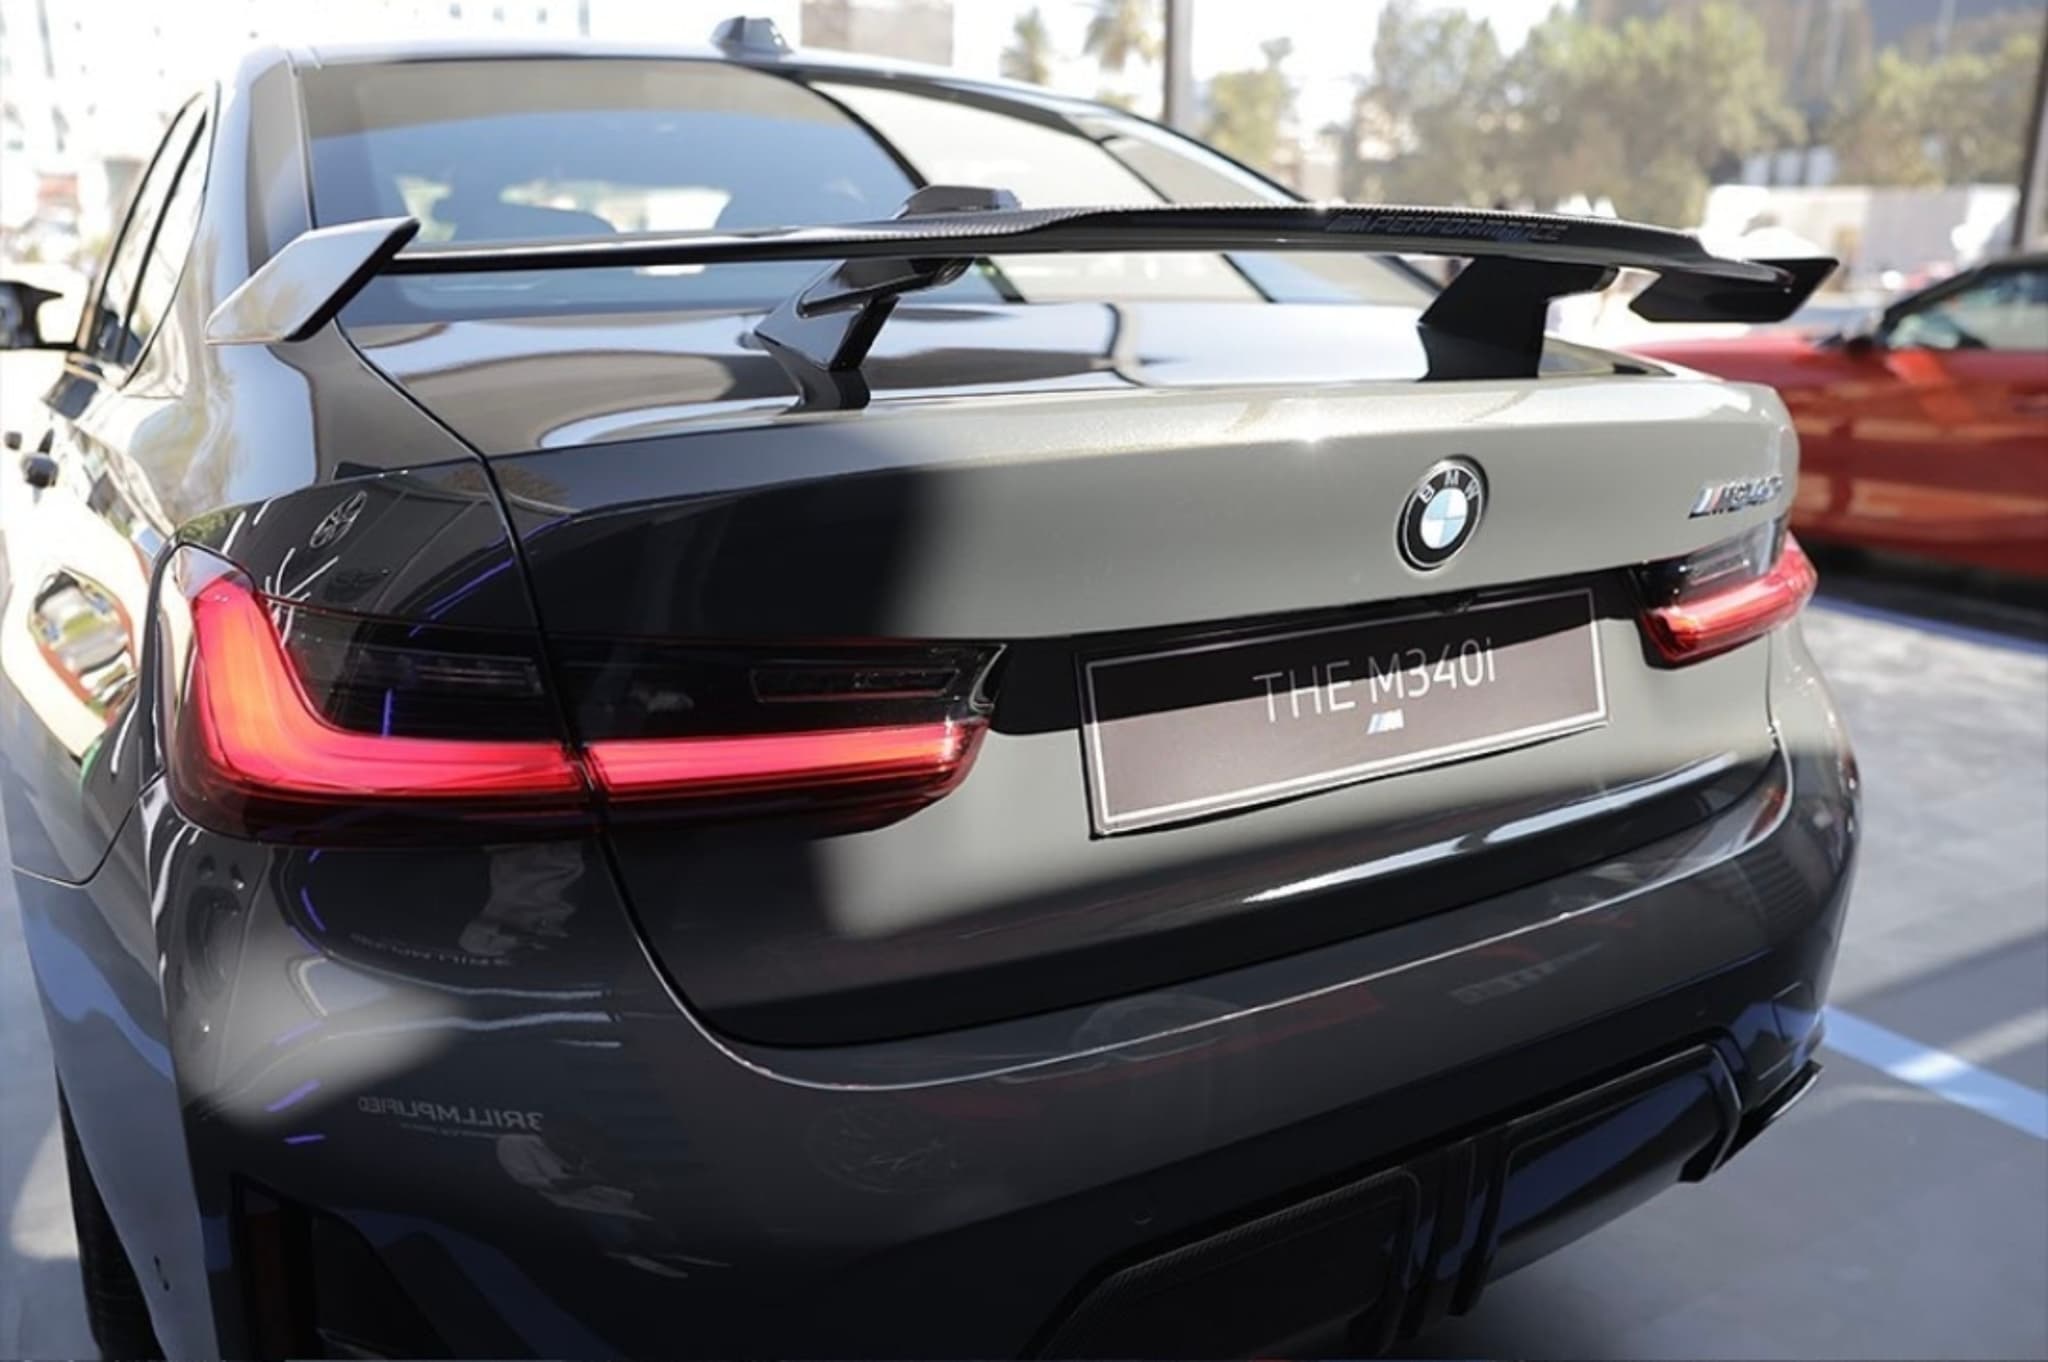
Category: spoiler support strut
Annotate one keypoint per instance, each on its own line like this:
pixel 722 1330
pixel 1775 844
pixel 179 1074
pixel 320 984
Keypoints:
pixel 821 335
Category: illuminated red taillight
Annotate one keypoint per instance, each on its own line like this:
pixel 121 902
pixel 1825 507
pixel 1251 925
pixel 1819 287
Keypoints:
pixel 1726 595
pixel 256 733
pixel 920 756
pixel 283 721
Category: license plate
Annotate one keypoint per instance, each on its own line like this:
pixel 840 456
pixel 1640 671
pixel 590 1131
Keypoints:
pixel 1192 731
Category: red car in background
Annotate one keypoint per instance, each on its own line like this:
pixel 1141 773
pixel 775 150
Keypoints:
pixel 1925 432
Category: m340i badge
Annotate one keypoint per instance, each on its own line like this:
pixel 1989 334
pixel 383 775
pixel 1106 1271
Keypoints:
pixel 1721 498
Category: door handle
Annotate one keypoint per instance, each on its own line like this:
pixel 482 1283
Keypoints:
pixel 39 470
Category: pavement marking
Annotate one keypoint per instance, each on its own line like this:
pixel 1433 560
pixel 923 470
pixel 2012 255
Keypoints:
pixel 1967 633
pixel 1939 1072
pixel 2003 1038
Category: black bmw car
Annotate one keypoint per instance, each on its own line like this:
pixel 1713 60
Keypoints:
pixel 675 702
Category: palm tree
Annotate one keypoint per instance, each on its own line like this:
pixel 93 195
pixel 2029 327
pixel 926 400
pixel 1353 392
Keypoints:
pixel 1120 30
pixel 1029 55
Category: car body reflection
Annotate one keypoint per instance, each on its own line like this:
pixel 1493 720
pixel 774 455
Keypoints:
pixel 87 639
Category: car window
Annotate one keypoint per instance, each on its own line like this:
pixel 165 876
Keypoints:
pixel 572 148
pixel 589 147
pixel 1116 160
pixel 165 261
pixel 1044 166
pixel 106 334
pixel 1188 172
pixel 2004 310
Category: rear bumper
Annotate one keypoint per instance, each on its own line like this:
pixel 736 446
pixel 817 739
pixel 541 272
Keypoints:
pixel 1391 1252
pixel 491 1129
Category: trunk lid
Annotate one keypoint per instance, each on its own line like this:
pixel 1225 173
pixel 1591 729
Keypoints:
pixel 1156 509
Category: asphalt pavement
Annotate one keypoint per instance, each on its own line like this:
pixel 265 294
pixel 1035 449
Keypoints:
pixel 1898 1211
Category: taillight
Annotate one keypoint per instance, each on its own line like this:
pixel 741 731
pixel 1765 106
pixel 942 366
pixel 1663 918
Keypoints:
pixel 697 723
pixel 284 722
pixel 1724 595
pixel 914 757
pixel 257 729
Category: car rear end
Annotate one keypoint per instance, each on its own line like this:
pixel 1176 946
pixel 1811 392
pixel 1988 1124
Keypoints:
pixel 1081 865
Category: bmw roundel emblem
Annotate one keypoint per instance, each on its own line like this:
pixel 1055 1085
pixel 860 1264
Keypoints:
pixel 1442 513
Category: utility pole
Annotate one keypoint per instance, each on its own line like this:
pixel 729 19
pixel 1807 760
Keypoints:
pixel 1179 104
pixel 2030 214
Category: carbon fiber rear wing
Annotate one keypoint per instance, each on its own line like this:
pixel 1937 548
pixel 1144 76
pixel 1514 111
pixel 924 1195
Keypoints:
pixel 1519 262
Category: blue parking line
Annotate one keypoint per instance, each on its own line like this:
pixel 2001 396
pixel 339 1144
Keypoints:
pixel 1966 633
pixel 1939 1072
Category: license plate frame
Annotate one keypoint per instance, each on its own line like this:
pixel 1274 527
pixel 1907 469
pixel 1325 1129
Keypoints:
pixel 1191 788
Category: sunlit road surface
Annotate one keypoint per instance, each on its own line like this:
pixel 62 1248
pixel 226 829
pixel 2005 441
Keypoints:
pixel 1896 1212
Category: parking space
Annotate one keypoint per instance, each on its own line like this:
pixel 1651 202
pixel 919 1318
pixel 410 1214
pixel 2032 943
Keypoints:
pixel 1897 1212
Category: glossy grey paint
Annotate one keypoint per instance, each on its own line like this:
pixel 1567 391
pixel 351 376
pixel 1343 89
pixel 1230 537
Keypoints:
pixel 516 384
pixel 1014 517
pixel 1060 523
pixel 194 983
pixel 188 441
pixel 999 900
pixel 195 441
pixel 791 1198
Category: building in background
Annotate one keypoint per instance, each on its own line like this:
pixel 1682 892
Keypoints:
pixel 86 86
pixel 1874 93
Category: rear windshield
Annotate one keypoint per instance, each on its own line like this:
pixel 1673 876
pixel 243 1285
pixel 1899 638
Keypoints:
pixel 518 149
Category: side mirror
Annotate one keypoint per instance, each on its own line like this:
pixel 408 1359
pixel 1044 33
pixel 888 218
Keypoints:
pixel 21 326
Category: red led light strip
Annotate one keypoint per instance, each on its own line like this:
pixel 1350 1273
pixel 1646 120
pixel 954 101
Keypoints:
pixel 1721 619
pixel 260 735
